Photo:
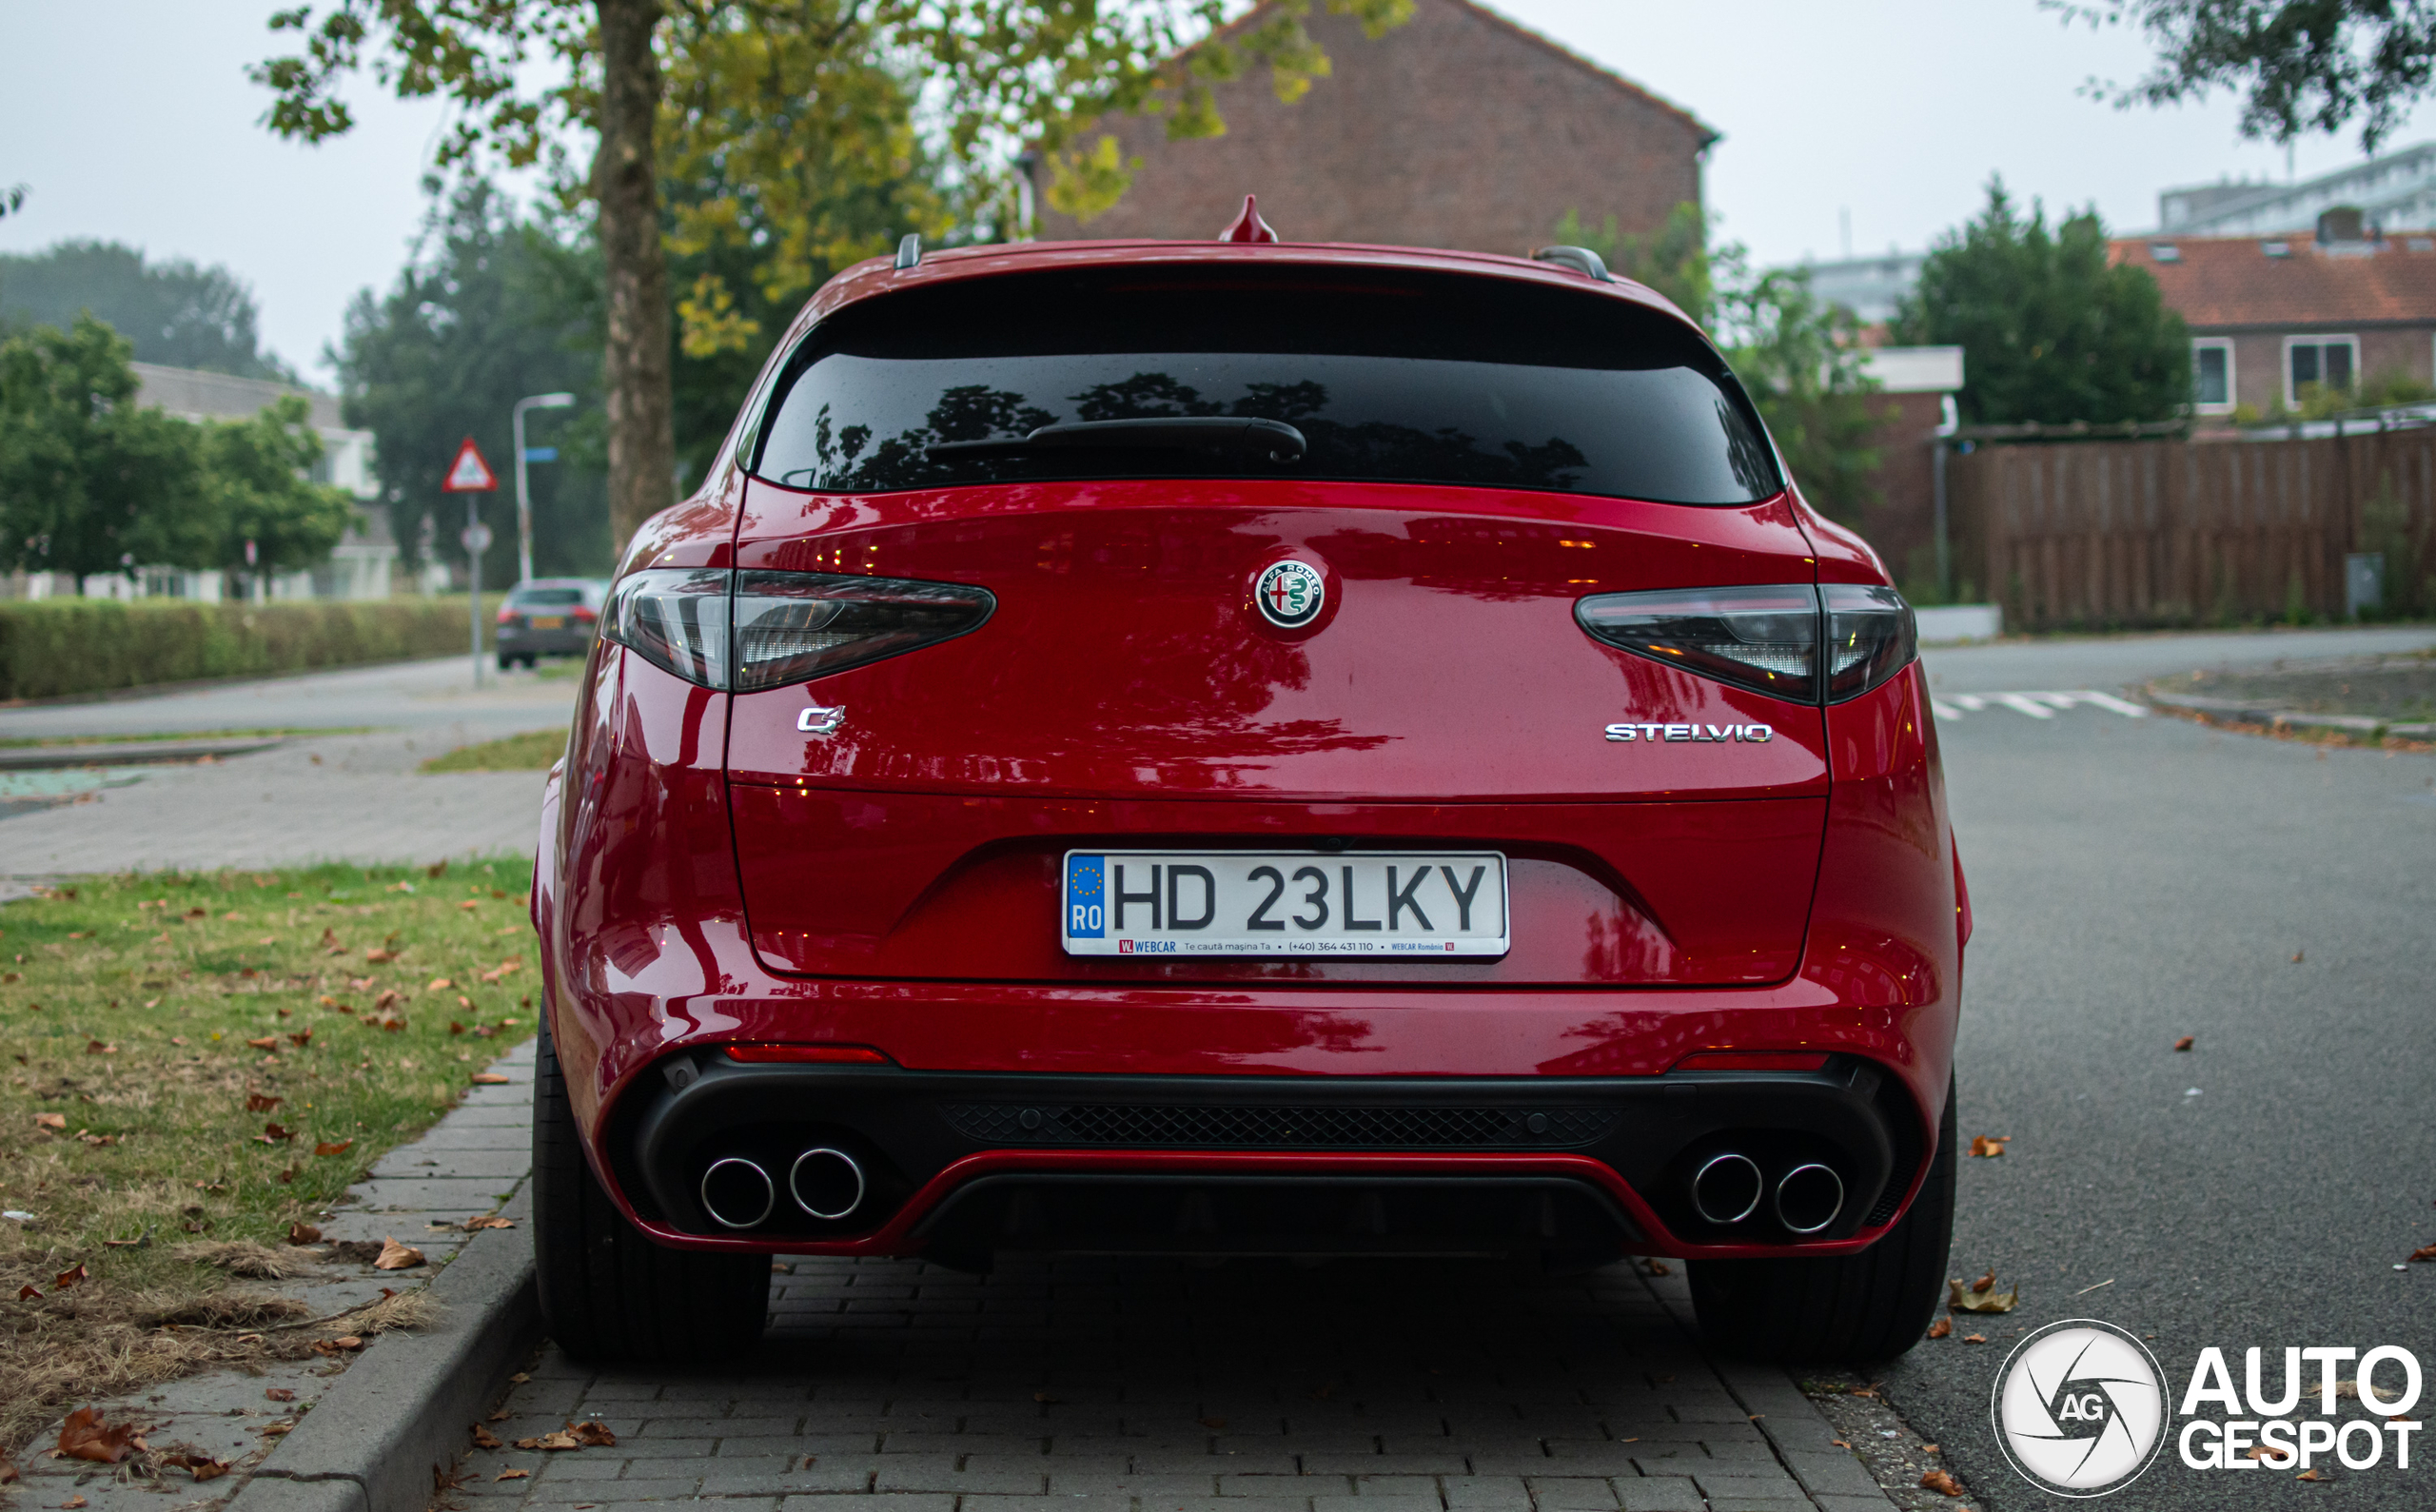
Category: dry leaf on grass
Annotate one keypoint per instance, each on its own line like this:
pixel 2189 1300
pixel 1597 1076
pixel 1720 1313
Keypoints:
pixel 303 1234
pixel 1982 1296
pixel 2185 1042
pixel 68 1278
pixel 275 1134
pixel 26 1293
pixel 56 1123
pixel 341 1148
pixel 257 1103
pixel 266 1042
pixel 1942 1483
pixel 506 968
pixel 395 1256
pixel 1988 1145
pixel 84 1436
pixel 1942 1328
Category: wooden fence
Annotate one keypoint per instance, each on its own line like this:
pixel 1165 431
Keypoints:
pixel 2180 533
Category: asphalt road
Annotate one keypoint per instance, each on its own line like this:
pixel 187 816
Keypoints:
pixel 357 797
pixel 2135 880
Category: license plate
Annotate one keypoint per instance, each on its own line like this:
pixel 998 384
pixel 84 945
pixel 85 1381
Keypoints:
pixel 1420 903
pixel 547 621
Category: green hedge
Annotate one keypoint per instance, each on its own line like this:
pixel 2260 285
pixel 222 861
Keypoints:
pixel 54 647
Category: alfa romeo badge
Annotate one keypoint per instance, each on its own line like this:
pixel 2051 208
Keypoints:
pixel 1290 593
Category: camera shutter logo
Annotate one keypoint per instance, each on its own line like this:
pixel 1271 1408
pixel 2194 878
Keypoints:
pixel 2079 1408
pixel 1290 593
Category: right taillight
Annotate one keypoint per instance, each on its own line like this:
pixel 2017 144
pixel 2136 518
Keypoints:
pixel 1768 638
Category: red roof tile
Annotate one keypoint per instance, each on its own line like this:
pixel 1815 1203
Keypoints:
pixel 2229 283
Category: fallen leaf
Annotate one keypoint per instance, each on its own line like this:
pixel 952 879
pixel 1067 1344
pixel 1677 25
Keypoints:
pixel 257 1103
pixel 84 1436
pixel 519 1379
pixel 87 1137
pixel 341 1148
pixel 8 1472
pixel 286 1176
pixel 506 968
pixel 2296 960
pixel 302 1039
pixel 395 1256
pixel 2265 1451
pixel 2423 1253
pixel 71 1504
pixel 1981 1297
pixel 266 1042
pixel 489 1079
pixel 1839 1443
pixel 202 1467
pixel 560 1439
pixel 1974 1338
pixel 2185 1042
pixel 485 1438
pixel 503 1415
pixel 1983 1144
pixel 26 1293
pixel 455 1027
pixel 1927 1449
pixel 279 1394
pixel 1939 1482
pixel 56 1123
pixel 512 1475
pixel 1657 1267
pixel 66 1279
pixel 440 984
pixel 593 1434
pixel 488 1221
pixel 1942 1328
pixel 2309 1475
pixel 303 1234
pixel 469 904
pixel 275 1134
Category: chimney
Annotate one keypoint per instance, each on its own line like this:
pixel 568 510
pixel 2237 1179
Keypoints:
pixel 2341 223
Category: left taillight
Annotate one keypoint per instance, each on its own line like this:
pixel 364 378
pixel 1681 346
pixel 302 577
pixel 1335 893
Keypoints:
pixel 1768 638
pixel 746 631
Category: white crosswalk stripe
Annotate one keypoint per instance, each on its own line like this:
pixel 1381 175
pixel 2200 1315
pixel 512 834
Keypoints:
pixel 2035 705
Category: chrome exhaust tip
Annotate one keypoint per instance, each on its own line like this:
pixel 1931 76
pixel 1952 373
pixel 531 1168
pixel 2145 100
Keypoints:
pixel 827 1183
pixel 738 1193
pixel 1809 1197
pixel 1727 1188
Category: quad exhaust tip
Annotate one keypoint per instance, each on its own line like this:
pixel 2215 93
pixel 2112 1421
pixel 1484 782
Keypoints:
pixel 1809 1197
pixel 827 1183
pixel 1727 1187
pixel 738 1193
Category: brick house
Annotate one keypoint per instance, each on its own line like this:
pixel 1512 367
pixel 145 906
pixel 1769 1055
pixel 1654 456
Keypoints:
pixel 1458 129
pixel 2270 313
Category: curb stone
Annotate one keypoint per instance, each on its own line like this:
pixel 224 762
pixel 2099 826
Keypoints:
pixel 2253 712
pixel 398 1415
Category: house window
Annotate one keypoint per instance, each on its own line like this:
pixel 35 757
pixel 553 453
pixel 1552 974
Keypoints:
pixel 2211 375
pixel 2330 362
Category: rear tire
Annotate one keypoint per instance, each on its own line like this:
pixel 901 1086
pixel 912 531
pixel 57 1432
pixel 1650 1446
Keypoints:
pixel 609 1295
pixel 1871 1306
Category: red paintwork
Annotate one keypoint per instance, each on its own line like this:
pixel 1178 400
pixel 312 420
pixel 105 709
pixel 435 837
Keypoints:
pixel 1249 226
pixel 1801 896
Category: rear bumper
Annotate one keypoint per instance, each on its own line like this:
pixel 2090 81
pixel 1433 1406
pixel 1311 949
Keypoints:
pixel 957 1165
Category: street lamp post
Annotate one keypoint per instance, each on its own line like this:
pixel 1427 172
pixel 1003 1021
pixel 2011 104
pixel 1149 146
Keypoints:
pixel 524 495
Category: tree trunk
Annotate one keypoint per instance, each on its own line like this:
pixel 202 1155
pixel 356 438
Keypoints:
pixel 643 433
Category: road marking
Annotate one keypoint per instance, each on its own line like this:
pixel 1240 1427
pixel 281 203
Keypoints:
pixel 2034 705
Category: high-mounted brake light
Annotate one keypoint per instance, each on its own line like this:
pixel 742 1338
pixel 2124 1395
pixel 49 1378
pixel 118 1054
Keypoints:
pixel 1766 638
pixel 746 631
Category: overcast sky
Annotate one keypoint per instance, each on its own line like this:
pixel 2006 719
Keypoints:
pixel 133 120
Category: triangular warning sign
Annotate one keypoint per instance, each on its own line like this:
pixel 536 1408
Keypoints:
pixel 469 474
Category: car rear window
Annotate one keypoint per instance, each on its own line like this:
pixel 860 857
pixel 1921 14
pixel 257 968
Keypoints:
pixel 1398 378
pixel 546 598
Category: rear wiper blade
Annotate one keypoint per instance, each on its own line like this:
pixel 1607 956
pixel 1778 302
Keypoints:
pixel 1268 440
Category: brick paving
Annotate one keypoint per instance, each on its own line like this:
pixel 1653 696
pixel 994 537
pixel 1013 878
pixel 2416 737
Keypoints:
pixel 1154 1385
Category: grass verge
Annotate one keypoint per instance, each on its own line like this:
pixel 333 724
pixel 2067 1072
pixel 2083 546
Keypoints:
pixel 533 751
pixel 44 742
pixel 194 1063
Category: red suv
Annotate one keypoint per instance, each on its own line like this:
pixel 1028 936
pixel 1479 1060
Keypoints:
pixel 1249 749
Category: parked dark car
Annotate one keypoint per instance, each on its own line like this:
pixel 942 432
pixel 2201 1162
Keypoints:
pixel 549 617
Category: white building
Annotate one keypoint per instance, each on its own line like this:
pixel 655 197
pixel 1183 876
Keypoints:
pixel 2396 193
pixel 360 566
